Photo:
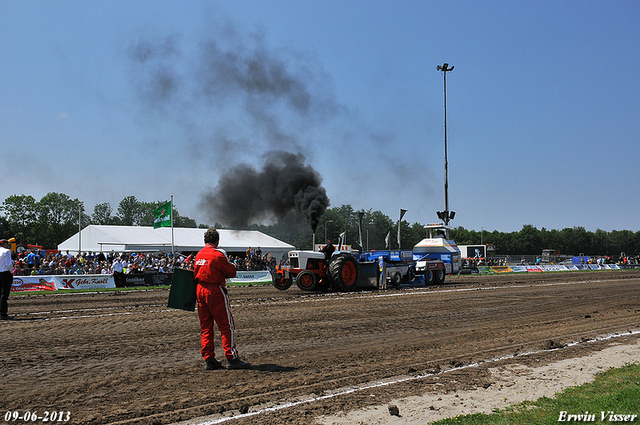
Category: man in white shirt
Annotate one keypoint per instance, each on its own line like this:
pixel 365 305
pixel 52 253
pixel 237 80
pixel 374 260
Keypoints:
pixel 6 278
pixel 118 271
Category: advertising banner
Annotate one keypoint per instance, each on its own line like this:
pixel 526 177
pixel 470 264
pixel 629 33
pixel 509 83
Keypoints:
pixel 501 269
pixel 485 270
pixel 33 283
pixel 89 281
pixel 258 277
pixel 554 268
pixel 147 279
pixel 53 283
pixel 519 269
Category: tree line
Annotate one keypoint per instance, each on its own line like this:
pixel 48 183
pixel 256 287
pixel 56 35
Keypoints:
pixel 56 217
pixel 376 227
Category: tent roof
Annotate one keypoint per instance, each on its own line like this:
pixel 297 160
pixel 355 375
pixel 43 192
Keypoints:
pixel 138 238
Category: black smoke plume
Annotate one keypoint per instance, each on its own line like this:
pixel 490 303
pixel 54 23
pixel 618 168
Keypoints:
pixel 235 97
pixel 245 195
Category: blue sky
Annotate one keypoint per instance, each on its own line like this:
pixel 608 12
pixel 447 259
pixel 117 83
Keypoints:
pixel 102 100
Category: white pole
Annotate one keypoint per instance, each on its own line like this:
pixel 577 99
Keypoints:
pixel 172 242
pixel 79 228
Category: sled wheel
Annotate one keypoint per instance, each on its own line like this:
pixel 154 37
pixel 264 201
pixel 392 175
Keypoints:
pixel 429 277
pixel 396 279
pixel 439 276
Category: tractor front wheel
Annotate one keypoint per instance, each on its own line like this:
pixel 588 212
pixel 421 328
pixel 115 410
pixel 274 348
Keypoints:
pixel 280 282
pixel 307 281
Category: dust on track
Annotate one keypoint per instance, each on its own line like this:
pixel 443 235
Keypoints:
pixel 123 357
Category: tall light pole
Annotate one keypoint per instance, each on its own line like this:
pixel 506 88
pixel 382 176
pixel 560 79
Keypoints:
pixel 445 215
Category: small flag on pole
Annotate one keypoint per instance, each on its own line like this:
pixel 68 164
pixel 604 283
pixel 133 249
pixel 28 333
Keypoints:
pixel 402 213
pixel 386 239
pixel 162 215
pixel 342 237
pixel 360 217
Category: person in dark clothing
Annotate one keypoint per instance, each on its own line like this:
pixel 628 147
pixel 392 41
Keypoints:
pixel 6 278
pixel 328 250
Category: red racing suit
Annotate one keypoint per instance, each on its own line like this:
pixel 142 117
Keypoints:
pixel 210 271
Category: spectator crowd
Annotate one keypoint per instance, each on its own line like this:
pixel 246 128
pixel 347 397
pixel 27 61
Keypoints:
pixel 41 262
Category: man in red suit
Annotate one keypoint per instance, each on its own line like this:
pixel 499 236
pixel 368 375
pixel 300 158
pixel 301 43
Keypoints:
pixel 210 272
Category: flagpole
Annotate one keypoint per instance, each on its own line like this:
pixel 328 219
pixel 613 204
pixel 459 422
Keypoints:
pixel 172 243
pixel 402 212
pixel 360 217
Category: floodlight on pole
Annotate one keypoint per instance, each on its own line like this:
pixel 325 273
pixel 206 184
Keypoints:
pixel 446 215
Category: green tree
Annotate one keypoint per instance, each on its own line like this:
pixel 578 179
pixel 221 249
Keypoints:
pixel 549 239
pixel 59 209
pixel 59 217
pixel 22 216
pixel 102 214
pixel 416 234
pixel 5 229
pixel 144 214
pixel 462 236
pixel 379 225
pixel 184 221
pixel 130 212
pixel 622 241
pixel 528 240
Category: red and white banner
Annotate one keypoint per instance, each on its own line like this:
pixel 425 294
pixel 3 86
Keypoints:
pixel 33 283
pixel 54 283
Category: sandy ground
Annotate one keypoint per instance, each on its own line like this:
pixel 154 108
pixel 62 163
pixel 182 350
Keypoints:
pixel 124 358
pixel 513 384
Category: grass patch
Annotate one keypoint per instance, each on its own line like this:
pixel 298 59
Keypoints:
pixel 616 390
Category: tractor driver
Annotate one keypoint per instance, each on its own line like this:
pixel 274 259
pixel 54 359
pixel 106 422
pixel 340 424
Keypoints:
pixel 328 250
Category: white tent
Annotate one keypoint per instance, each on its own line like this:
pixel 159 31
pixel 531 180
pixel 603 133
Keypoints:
pixel 95 238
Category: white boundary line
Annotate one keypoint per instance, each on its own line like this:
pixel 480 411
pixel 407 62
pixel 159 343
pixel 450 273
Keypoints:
pixel 378 384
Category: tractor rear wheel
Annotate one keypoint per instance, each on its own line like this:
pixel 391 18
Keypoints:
pixel 345 272
pixel 307 281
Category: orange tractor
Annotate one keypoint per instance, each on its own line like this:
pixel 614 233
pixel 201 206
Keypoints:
pixel 312 272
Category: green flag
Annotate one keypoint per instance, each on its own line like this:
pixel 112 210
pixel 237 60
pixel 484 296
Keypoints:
pixel 182 294
pixel 163 215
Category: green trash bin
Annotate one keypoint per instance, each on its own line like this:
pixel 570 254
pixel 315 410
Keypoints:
pixel 182 294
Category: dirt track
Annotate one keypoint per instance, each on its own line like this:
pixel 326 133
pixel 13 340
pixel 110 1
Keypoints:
pixel 123 357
